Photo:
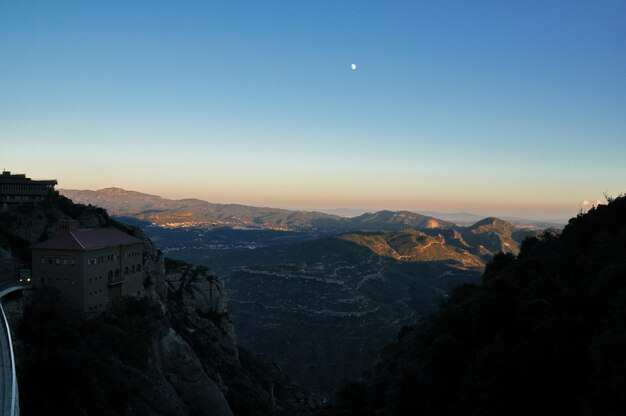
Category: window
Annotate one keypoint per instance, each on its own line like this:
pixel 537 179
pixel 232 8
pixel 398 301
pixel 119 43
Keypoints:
pixel 117 272
pixel 42 260
pixel 73 261
pixel 138 267
pixel 65 261
pixel 132 268
pixel 126 270
pixel 49 261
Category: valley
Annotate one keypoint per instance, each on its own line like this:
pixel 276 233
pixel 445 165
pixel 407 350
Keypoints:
pixel 323 309
pixel 322 296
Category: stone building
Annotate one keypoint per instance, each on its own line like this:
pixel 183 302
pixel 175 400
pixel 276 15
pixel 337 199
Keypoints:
pixel 18 189
pixel 90 267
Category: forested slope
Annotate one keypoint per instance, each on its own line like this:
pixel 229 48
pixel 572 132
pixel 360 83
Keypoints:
pixel 545 333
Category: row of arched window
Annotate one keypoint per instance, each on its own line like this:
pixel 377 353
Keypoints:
pixel 102 259
pixel 127 270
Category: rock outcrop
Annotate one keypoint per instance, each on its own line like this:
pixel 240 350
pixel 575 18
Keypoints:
pixel 184 371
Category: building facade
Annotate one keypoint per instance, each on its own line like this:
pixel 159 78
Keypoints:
pixel 90 267
pixel 18 189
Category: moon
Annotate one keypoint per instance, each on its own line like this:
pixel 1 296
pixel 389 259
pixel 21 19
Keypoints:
pixel 353 66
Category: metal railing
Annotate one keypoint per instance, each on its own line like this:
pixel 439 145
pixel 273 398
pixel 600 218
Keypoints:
pixel 9 393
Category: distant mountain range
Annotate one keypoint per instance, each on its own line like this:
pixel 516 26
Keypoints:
pixel 202 214
pixel 402 235
pixel 195 213
pixel 459 218
pixel 466 218
pixel 188 213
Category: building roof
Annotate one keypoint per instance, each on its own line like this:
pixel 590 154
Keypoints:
pixel 19 178
pixel 88 239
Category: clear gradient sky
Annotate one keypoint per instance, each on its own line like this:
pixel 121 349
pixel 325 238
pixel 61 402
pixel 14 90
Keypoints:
pixel 495 107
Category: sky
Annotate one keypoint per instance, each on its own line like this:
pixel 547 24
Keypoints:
pixel 494 107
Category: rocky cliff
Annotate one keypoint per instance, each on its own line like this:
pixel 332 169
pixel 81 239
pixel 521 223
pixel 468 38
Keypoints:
pixel 171 352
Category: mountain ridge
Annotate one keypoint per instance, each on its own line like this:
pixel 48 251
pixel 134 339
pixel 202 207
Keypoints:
pixel 192 212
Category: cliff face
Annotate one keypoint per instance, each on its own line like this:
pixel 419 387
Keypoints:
pixel 171 352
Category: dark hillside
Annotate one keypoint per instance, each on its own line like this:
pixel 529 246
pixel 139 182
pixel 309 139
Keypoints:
pixel 545 333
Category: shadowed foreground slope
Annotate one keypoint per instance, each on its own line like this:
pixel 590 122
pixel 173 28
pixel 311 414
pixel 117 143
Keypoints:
pixel 545 333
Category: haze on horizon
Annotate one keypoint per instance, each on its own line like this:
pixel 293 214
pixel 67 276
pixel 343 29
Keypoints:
pixel 495 109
